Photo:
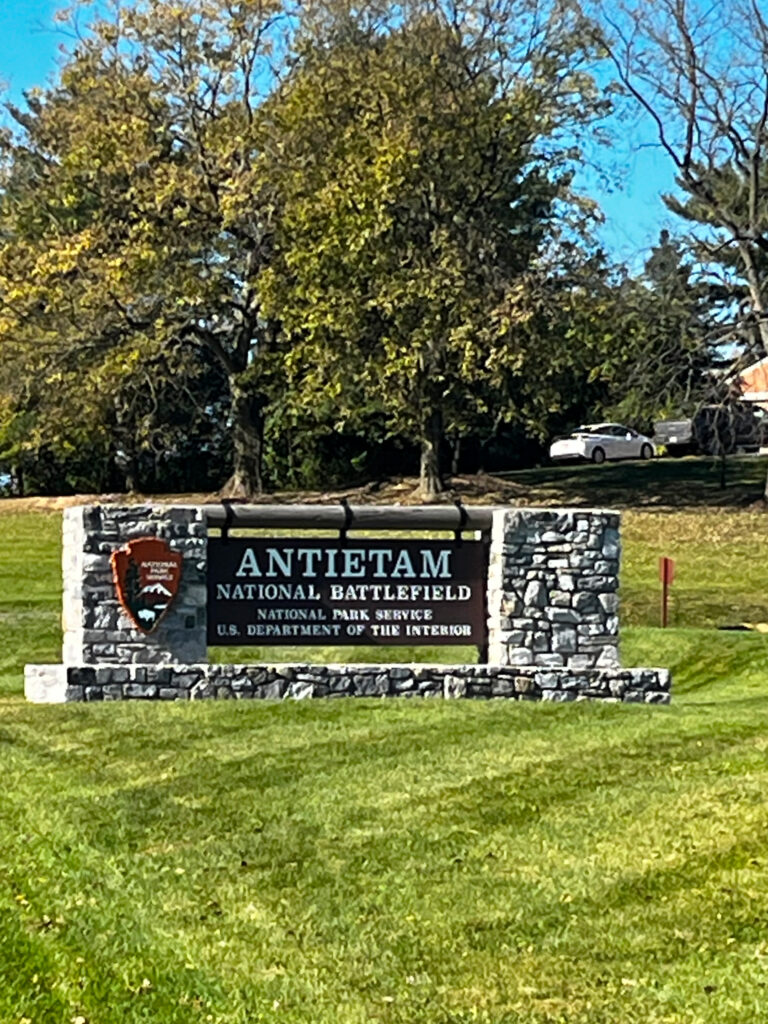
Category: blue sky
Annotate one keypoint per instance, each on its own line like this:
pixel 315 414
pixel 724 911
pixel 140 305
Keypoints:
pixel 29 44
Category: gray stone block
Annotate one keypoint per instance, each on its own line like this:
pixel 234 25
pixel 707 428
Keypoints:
pixel 535 595
pixel 540 642
pixel 143 691
pixel 454 687
pixel 549 660
pixel 657 697
pixel 567 615
pixel 513 637
pixel 503 688
pixel 564 639
pixel 618 686
pixel 598 584
pixel 273 690
pixel 518 656
pixel 241 686
pixel 608 657
pixel 201 690
pixel 548 680
pixel 551 537
pixel 81 675
pixel 586 603
pixel 299 691
pixel 633 696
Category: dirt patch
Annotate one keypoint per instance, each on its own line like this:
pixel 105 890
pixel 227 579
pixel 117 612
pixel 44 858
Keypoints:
pixel 662 486
pixel 480 489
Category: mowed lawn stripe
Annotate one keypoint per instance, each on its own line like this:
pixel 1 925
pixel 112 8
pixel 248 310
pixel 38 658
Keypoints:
pixel 513 844
pixel 395 861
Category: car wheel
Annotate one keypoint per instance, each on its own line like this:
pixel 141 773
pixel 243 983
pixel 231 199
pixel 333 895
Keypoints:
pixel 598 456
pixel 646 452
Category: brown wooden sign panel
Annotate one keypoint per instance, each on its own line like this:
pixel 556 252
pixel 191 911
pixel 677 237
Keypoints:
pixel 333 592
pixel 147 574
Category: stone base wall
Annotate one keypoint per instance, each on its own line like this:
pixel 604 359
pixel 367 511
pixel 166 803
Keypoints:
pixel 553 581
pixel 60 684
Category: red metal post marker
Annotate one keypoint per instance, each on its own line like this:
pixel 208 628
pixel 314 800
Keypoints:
pixel 666 575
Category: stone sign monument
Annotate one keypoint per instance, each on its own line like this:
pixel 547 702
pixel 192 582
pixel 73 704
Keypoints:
pixel 146 591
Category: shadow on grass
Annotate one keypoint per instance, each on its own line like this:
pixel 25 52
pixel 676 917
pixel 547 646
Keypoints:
pixel 272 790
pixel 661 483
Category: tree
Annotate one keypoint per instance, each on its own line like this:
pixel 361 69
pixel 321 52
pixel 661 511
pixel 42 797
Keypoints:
pixel 663 319
pixel 699 72
pixel 134 220
pixel 366 205
pixel 424 188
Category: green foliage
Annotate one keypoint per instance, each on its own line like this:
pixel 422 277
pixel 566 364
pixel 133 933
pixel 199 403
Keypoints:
pixel 422 183
pixel 225 224
pixel 134 224
pixel 654 340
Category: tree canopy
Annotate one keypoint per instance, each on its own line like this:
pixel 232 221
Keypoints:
pixel 238 219
pixel 424 190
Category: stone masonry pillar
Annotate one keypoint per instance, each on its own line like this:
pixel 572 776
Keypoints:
pixel 96 628
pixel 553 582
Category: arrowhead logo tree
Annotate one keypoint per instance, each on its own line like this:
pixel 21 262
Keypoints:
pixel 147 574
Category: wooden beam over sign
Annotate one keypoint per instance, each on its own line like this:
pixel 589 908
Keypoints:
pixel 352 517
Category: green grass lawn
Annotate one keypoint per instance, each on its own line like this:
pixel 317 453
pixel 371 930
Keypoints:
pixel 404 862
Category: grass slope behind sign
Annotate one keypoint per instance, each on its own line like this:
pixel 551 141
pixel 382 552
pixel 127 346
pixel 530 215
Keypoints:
pixel 319 591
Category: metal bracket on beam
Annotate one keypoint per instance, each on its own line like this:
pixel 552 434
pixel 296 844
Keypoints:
pixel 349 518
pixel 463 517
pixel 229 516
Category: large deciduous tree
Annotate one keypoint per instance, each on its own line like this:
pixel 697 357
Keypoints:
pixel 134 219
pixel 424 168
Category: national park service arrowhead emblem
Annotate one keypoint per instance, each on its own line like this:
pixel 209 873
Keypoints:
pixel 147 576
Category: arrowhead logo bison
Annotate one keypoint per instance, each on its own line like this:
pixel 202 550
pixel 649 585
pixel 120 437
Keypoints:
pixel 147 576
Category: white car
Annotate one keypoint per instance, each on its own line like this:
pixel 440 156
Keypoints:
pixel 597 442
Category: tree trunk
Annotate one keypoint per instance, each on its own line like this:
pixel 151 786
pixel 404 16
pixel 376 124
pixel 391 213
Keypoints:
pixel 430 477
pixel 131 473
pixel 455 454
pixel 247 443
